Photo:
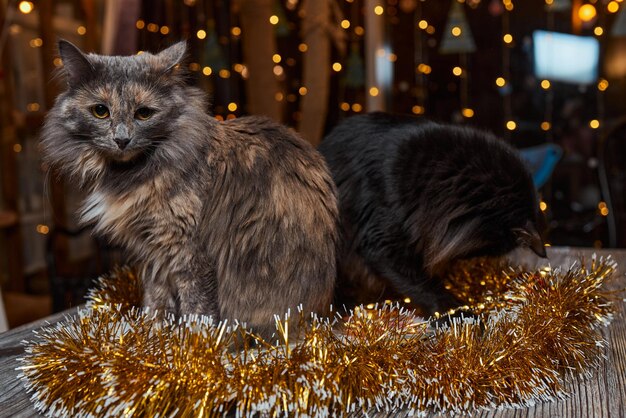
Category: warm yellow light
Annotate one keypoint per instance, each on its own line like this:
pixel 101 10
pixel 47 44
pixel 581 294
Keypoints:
pixel 356 107
pixel 43 229
pixel 379 10
pixel 598 31
pixel 543 206
pixel 358 30
pixel 278 70
pixel 17 147
pixel 81 30
pixel 508 6
pixel 303 91
pixel 424 68
pixel 612 7
pixel 467 112
pixel 236 31
pixel 36 42
pixel 511 125
pixel 586 12
pixel 279 97
pixel 407 300
pixel 418 110
pixel 545 126
pixel 545 84
pixel 33 107
pixel 422 24
pixel 25 7
pixel 344 106
pixel 594 124
pixel 456 31
pixel 194 66
pixel 57 62
pixel 153 27
pixel 140 24
pixel 507 38
pixel 303 47
pixel 373 91
pixel 345 23
pixel 207 71
pixel 238 67
pixel 603 84
pixel 201 34
pixel 549 2
pixel 430 29
pixel 273 19
pixel 601 205
pixel 232 106
pixel 392 57
pixel 500 81
pixel 336 66
pixel 276 58
pixel 224 73
pixel 164 30
pixel 15 29
pixel 457 71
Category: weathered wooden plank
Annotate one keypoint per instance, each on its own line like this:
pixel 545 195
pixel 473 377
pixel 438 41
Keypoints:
pixel 603 395
pixel 14 401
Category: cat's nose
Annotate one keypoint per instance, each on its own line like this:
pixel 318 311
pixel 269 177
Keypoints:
pixel 122 142
pixel 121 136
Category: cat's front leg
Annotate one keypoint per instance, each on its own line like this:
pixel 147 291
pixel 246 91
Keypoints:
pixel 197 293
pixel 424 290
pixel 158 296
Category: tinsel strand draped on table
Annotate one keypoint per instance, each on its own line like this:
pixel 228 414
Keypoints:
pixel 532 331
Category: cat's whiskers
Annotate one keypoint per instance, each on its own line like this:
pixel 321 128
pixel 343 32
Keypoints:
pixel 46 194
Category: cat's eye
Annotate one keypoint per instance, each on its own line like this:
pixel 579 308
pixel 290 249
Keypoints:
pixel 144 113
pixel 100 111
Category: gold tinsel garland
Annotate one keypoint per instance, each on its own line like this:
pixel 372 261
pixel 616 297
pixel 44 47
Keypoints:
pixel 533 330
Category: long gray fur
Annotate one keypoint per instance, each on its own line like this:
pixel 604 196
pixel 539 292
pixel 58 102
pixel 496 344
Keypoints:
pixel 235 219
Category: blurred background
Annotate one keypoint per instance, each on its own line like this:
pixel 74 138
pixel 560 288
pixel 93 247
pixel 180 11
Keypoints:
pixel 548 76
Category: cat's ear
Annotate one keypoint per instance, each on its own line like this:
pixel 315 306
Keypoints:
pixel 75 64
pixel 449 243
pixel 171 57
pixel 529 237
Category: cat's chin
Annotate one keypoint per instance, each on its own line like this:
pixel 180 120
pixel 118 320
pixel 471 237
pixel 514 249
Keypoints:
pixel 125 156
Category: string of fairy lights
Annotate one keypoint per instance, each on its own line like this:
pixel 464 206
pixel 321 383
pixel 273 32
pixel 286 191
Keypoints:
pixel 590 15
pixel 586 13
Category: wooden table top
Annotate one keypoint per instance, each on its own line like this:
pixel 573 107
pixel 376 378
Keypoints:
pixel 603 395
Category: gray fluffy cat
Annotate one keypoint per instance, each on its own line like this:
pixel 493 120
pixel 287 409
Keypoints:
pixel 235 219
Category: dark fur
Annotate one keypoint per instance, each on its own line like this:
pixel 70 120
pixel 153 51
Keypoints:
pixel 235 219
pixel 414 196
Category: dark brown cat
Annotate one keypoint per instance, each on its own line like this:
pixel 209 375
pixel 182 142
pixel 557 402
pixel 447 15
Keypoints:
pixel 234 219
pixel 415 196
